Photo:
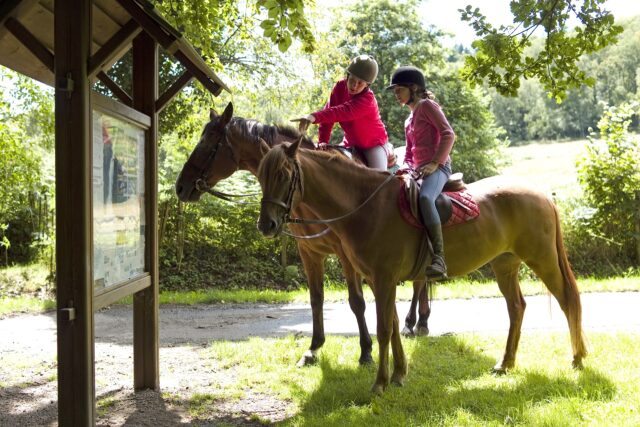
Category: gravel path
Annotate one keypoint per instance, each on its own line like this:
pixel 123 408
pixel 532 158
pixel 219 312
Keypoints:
pixel 28 389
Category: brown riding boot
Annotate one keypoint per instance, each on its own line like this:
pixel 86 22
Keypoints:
pixel 438 269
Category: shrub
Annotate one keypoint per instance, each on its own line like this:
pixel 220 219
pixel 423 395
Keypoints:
pixel 609 174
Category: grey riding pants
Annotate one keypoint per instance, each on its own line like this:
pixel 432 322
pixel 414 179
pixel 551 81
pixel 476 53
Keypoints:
pixel 430 189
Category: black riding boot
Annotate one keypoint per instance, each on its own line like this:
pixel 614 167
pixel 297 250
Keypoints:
pixel 438 269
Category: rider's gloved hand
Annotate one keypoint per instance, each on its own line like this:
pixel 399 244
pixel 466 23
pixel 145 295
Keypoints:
pixel 304 122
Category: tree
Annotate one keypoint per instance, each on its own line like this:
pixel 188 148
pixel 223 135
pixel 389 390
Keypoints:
pixel 532 115
pixel 20 175
pixel 610 176
pixel 392 32
pixel 500 57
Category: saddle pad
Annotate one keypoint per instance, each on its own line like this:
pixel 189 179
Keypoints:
pixel 463 207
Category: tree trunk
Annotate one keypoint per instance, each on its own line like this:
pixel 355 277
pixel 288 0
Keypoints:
pixel 164 213
pixel 283 254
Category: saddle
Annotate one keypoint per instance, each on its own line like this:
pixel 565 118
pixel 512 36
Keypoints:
pixel 357 156
pixel 454 205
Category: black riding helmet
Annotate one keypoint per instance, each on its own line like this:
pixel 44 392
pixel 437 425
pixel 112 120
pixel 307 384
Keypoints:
pixel 406 76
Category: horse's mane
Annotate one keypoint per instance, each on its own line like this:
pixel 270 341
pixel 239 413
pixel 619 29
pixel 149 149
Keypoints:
pixel 276 161
pixel 253 129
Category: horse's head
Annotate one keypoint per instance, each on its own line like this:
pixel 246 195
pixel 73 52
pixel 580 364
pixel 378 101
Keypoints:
pixel 279 175
pixel 211 160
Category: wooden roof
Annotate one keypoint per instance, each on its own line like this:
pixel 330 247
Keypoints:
pixel 26 39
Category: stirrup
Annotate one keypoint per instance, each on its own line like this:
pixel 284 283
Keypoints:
pixel 437 270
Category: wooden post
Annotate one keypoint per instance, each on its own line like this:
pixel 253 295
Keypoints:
pixel 74 258
pixel 146 370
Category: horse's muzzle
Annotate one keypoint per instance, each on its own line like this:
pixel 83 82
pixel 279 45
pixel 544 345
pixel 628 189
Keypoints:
pixel 268 227
pixel 187 193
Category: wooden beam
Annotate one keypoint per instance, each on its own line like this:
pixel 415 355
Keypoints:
pixel 146 341
pixel 210 85
pixel 111 48
pixel 6 8
pixel 173 90
pixel 115 89
pixel 74 241
pixel 147 23
pixel 34 45
pixel 120 111
pixel 9 8
pixel 168 42
pixel 114 293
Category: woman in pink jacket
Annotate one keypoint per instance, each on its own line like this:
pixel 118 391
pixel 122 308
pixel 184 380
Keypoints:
pixel 429 141
pixel 354 106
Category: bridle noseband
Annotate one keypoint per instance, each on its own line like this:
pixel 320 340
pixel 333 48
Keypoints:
pixel 295 184
pixel 201 183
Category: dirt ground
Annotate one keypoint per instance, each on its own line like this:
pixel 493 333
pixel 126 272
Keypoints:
pixel 28 385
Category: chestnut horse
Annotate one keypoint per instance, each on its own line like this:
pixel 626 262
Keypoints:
pixel 231 143
pixel 515 225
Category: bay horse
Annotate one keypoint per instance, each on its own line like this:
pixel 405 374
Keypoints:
pixel 229 144
pixel 516 225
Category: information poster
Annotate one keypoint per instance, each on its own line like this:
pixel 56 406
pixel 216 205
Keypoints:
pixel 118 201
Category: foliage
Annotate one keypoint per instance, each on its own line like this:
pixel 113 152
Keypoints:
pixel 500 56
pixel 533 116
pixel 217 28
pixel 392 32
pixel 610 176
pixel 20 175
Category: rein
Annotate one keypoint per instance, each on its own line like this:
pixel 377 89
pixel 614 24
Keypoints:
pixel 297 182
pixel 201 183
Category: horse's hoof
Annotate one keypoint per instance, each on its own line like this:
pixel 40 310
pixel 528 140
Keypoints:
pixel 422 331
pixel 397 380
pixel 308 358
pixel 377 389
pixel 407 332
pixel 499 370
pixel 577 364
pixel 366 360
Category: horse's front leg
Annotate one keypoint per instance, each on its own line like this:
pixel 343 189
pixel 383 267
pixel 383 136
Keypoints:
pixel 313 265
pixel 400 366
pixel 424 308
pixel 358 306
pixel 385 293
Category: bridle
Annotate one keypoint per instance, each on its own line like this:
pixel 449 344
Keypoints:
pixel 200 183
pixel 296 183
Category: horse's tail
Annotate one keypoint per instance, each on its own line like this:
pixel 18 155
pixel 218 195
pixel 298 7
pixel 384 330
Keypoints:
pixel 571 296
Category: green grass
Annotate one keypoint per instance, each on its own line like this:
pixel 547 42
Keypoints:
pixel 449 381
pixel 25 304
pixel 552 165
pixel 334 292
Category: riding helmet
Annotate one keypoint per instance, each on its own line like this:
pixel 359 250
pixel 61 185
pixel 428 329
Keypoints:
pixel 405 76
pixel 364 67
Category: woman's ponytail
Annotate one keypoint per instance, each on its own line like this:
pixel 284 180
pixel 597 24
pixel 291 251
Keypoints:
pixel 427 94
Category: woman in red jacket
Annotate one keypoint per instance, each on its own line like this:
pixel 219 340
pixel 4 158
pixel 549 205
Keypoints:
pixel 429 141
pixel 354 106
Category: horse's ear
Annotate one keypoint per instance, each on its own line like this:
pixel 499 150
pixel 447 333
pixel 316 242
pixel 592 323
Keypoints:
pixel 212 114
pixel 264 147
pixel 293 148
pixel 227 114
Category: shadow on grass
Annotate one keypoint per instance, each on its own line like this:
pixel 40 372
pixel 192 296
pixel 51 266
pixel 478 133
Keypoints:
pixel 446 377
